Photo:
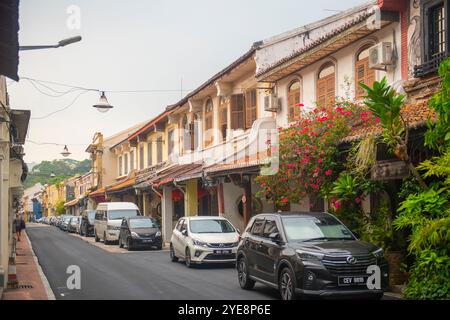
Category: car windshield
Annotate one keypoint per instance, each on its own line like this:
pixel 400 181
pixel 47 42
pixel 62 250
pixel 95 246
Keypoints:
pixel 142 223
pixel 315 228
pixel 211 226
pixel 120 214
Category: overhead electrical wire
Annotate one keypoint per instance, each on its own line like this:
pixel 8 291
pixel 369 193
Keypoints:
pixel 54 143
pixel 41 82
pixel 62 109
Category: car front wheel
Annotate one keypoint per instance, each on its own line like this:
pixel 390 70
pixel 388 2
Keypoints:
pixel 244 280
pixel 97 239
pixel 286 284
pixel 129 246
pixel 188 258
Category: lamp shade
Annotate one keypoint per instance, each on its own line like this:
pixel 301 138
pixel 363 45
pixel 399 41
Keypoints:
pixel 103 105
pixel 65 152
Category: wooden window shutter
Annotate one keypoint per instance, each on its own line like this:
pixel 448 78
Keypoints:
pixel 250 108
pixel 237 111
pixel 330 89
pixel 363 74
pixel 321 91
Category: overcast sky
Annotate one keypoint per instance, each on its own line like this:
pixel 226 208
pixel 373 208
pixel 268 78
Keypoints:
pixel 136 45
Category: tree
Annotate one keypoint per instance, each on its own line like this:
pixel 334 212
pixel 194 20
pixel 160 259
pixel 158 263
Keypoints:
pixel 60 209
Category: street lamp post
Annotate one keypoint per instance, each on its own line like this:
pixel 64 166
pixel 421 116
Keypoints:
pixel 61 43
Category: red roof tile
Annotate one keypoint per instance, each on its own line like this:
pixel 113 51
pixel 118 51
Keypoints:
pixel 415 116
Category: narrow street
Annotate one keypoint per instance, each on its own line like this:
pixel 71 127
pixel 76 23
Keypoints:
pixel 134 275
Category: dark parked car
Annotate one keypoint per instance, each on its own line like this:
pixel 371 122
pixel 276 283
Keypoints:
pixel 87 223
pixel 139 231
pixel 308 254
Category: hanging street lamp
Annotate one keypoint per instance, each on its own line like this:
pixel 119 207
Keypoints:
pixel 103 105
pixel 65 152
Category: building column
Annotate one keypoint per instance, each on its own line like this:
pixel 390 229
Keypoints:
pixel 191 198
pixel 247 201
pixel 167 213
pixel 220 199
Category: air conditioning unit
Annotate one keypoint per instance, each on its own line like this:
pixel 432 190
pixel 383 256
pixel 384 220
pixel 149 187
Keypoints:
pixel 380 56
pixel 272 103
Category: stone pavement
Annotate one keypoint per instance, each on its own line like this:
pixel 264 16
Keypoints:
pixel 32 284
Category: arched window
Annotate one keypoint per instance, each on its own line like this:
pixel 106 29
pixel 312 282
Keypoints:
pixel 208 122
pixel 362 72
pixel 293 100
pixel 326 85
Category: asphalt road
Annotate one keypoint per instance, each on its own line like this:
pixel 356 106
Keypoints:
pixel 109 273
pixel 134 275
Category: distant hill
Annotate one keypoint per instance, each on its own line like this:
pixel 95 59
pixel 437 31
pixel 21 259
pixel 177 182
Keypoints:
pixel 62 169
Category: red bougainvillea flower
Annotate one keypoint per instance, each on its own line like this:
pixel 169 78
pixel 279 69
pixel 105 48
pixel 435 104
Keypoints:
pixel 305 130
pixel 319 160
pixel 377 120
pixel 328 172
pixel 337 205
pixel 290 165
pixel 299 105
pixel 358 200
pixel 285 200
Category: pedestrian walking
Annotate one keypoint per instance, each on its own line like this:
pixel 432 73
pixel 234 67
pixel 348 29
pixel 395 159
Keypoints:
pixel 19 224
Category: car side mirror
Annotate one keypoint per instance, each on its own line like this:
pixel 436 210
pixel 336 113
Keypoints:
pixel 184 232
pixel 275 237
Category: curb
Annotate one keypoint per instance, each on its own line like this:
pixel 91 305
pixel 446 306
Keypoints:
pixel 48 289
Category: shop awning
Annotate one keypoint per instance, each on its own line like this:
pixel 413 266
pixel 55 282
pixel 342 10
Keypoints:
pixel 249 165
pixel 122 186
pixel 71 203
pixel 97 193
pixel 194 173
pixel 168 175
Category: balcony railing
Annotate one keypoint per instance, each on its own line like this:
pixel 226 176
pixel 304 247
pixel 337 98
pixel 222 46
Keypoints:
pixel 430 66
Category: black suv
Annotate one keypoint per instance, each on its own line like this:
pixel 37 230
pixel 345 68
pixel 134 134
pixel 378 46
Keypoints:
pixel 140 231
pixel 308 255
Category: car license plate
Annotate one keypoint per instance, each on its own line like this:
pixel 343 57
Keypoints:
pixel 222 251
pixel 147 241
pixel 352 280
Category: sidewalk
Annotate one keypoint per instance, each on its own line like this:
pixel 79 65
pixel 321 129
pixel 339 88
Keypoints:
pixel 31 286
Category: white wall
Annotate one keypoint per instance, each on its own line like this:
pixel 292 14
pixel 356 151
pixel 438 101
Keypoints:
pixel 345 69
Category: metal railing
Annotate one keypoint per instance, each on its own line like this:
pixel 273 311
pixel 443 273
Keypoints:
pixel 430 66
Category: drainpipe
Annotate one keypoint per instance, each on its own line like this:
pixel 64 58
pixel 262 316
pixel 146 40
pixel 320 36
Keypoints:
pixel 157 192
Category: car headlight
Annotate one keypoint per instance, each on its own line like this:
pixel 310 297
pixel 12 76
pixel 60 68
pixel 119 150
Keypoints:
pixel 134 235
pixel 200 243
pixel 379 253
pixel 309 255
pixel 158 234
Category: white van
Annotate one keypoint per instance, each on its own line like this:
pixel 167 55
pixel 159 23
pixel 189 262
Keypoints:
pixel 108 219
